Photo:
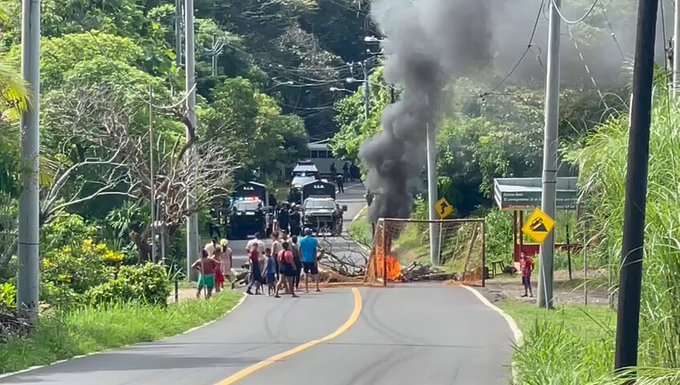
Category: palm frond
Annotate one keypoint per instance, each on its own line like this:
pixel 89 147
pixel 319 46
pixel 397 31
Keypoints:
pixel 13 93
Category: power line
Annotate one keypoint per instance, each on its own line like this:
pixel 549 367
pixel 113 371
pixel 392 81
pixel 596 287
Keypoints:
pixel 612 32
pixel 587 68
pixel 576 21
pixel 524 54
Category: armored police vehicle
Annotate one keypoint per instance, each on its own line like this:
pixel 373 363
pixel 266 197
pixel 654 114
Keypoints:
pixel 320 212
pixel 248 210
pixel 304 172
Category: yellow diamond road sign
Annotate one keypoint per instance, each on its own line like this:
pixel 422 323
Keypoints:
pixel 538 226
pixel 444 208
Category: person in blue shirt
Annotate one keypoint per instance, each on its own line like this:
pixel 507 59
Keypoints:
pixel 309 250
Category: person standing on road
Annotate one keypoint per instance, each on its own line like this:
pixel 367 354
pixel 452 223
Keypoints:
pixel 227 260
pixel 339 181
pixel 276 244
pixel 210 247
pixel 295 247
pixel 309 247
pixel 256 241
pixel 255 278
pixel 271 271
pixel 284 218
pixel 345 171
pixel 295 220
pixel 287 267
pixel 206 268
pixel 219 273
pixel 526 264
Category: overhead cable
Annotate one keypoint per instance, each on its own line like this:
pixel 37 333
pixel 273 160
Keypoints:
pixel 575 21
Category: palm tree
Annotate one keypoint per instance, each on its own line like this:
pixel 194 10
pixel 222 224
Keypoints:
pixel 12 90
pixel 13 93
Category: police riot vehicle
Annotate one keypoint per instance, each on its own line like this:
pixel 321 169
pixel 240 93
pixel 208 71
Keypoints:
pixel 304 172
pixel 248 209
pixel 320 212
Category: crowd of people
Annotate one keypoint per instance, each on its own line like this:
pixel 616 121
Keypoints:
pixel 281 265
pixel 286 218
pixel 214 267
pixel 278 267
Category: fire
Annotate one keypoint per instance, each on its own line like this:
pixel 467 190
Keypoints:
pixel 393 267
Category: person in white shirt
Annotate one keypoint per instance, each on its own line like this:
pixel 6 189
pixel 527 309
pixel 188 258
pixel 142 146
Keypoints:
pixel 210 247
pixel 256 241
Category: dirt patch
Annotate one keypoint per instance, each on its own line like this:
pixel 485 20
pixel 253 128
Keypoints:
pixel 566 291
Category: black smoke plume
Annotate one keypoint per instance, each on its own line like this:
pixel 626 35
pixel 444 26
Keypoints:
pixel 428 43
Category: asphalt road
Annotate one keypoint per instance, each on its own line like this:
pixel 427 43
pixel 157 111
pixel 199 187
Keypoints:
pixel 414 334
pixel 259 328
pixel 422 334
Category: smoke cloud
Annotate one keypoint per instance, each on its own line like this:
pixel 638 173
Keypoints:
pixel 429 43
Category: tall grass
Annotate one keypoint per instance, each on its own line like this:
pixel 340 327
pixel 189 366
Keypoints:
pixel 569 346
pixel 85 330
pixel 603 169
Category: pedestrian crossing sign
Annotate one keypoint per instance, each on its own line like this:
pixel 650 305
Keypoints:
pixel 444 208
pixel 538 226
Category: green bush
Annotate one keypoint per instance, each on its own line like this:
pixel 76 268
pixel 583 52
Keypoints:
pixel 499 236
pixel 8 296
pixel 66 230
pixel 59 295
pixel 147 283
pixel 73 265
pixel 77 267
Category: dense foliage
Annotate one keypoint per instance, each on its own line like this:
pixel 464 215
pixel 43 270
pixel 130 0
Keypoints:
pixel 603 163
pixel 104 63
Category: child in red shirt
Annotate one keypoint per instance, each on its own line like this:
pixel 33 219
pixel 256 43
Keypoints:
pixel 526 265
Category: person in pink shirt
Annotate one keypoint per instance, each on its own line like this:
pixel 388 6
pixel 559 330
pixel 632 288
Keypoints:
pixel 526 265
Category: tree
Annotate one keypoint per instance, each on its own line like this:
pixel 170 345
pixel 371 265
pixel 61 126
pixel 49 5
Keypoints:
pixel 351 117
pixel 104 120
pixel 249 125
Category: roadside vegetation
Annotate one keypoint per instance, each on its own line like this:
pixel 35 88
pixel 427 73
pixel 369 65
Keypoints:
pixel 63 334
pixel 105 78
pixel 361 231
pixel 570 345
pixel 575 345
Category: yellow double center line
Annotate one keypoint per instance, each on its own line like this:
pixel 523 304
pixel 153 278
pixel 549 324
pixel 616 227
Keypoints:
pixel 353 318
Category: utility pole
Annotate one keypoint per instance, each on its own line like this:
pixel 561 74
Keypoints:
pixel 676 51
pixel 178 32
pixel 152 189
pixel 29 203
pixel 432 191
pixel 367 90
pixel 192 220
pixel 628 323
pixel 550 146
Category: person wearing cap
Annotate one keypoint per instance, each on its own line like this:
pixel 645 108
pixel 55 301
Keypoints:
pixel 309 249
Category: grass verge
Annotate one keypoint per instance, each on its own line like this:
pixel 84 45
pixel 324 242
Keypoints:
pixel 572 345
pixel 360 230
pixel 67 334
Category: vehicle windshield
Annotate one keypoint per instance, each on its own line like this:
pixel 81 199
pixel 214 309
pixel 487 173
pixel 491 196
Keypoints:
pixel 305 173
pixel 319 204
pixel 247 205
